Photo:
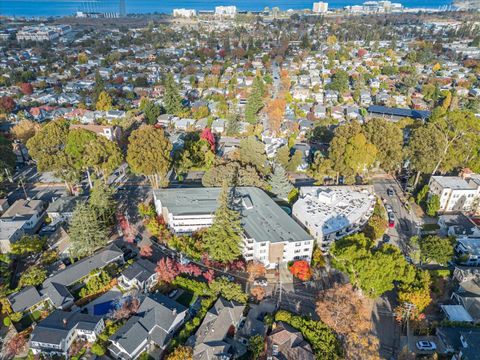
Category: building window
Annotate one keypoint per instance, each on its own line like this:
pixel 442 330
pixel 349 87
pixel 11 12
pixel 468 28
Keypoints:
pixel 298 244
pixel 306 250
pixel 297 251
pixel 263 251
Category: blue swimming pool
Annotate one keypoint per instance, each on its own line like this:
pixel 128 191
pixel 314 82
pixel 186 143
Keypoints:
pixel 104 308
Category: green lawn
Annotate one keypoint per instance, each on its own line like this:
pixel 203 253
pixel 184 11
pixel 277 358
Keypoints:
pixel 186 298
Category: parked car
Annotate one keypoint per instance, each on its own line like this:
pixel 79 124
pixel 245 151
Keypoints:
pixel 426 345
pixel 386 238
pixel 390 192
pixel 389 208
pixel 260 282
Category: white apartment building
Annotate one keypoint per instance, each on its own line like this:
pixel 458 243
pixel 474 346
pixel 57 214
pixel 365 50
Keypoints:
pixel 226 11
pixel 332 212
pixel 270 235
pixel 320 7
pixel 42 32
pixel 456 193
pixel 187 13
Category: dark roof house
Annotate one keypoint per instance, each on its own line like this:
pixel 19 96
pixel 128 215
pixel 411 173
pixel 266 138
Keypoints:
pixel 156 321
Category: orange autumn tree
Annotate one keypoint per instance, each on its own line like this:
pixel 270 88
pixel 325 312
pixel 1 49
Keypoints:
pixel 275 110
pixel 301 270
pixel 348 313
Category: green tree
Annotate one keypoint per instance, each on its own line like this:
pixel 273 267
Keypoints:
pixel 47 148
pixel 228 290
pixel 283 156
pixel 433 205
pixel 234 173
pixel 28 245
pixel 374 270
pixel 172 100
pixel 252 151
pixel 295 161
pixel 87 231
pixel 103 155
pixel 388 139
pixel 78 141
pixel 34 275
pixel 101 199
pixel 340 81
pixel 279 183
pixel 104 102
pixel 350 152
pixel 7 158
pixel 149 154
pixel 322 169
pixel 436 249
pixel 255 100
pixel 256 346
pixel 222 240
pixel 422 195
pixel 151 110
pixel 233 124
pixel 417 292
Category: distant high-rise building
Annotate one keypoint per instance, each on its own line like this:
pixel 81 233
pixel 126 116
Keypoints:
pixel 122 9
pixel 228 11
pixel 184 13
pixel 320 7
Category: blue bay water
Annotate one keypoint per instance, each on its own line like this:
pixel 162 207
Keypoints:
pixel 32 8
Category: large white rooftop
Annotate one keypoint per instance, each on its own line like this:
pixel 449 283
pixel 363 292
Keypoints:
pixel 325 210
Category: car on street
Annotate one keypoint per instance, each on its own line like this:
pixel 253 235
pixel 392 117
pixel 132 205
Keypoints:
pixel 172 293
pixel 386 238
pixel 260 282
pixel 391 220
pixel 426 345
pixel 389 208
pixel 390 192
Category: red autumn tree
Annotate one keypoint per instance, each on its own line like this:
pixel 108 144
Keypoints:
pixel 209 275
pixel 26 88
pixel 361 53
pixel 167 270
pixel 190 269
pixel 209 137
pixel 301 270
pixel 14 345
pixel 146 251
pixel 7 104
pixel 238 265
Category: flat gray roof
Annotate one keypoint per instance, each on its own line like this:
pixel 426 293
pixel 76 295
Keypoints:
pixel 262 219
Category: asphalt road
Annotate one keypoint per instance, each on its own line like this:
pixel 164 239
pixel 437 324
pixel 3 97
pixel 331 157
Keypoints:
pixel 405 220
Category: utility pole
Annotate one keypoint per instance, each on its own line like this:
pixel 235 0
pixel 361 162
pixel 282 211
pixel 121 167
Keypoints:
pixel 279 284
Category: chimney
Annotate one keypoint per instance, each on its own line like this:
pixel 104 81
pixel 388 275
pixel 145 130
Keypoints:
pixel 174 311
pixel 65 322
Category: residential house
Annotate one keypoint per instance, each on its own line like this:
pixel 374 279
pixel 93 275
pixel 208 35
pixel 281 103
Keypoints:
pixel 155 323
pixel 23 300
pixel 63 207
pixel 218 126
pixel 112 133
pixel 209 341
pixel 456 193
pixel 32 211
pixel 285 342
pixel 141 275
pixel 10 232
pixel 460 342
pixel 55 334
pixel 332 212
pixel 468 251
pixel 395 114
pixel 269 234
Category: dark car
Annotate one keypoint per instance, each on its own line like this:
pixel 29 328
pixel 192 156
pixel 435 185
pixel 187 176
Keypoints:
pixel 386 238
pixel 390 192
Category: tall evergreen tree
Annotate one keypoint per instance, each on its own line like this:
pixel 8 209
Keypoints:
pixel 87 231
pixel 101 199
pixel 279 182
pixel 222 239
pixel 172 100
pixel 255 100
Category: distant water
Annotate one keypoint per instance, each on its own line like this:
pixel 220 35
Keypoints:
pixel 33 8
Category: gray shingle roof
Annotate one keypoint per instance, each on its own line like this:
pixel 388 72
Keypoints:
pixel 141 270
pixel 264 221
pixel 154 318
pixel 24 299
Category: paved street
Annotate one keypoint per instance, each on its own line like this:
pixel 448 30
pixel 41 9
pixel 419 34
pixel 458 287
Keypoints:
pixel 405 220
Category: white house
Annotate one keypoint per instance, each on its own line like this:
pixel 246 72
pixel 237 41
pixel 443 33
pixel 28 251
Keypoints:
pixel 269 234
pixel 332 212
pixel 456 193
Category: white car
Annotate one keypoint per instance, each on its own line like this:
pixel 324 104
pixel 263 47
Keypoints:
pixel 426 345
pixel 260 282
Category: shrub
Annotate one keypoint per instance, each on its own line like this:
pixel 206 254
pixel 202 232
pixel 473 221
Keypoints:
pixel 98 349
pixel 7 322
